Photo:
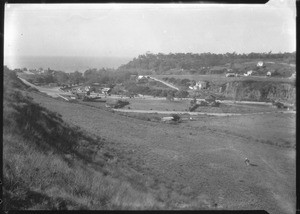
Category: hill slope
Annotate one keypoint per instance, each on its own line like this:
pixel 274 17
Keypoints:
pixel 49 164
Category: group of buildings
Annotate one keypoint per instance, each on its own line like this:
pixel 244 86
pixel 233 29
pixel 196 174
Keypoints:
pixel 78 89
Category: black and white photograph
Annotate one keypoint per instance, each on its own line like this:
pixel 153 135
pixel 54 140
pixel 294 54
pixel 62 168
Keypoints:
pixel 150 106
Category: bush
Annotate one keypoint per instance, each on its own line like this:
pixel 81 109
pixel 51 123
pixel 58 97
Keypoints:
pixel 176 117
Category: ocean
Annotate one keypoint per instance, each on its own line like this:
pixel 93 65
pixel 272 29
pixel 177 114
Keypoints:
pixel 66 64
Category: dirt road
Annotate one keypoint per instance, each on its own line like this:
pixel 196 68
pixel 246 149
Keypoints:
pixel 53 92
pixel 196 113
pixel 200 164
pixel 166 83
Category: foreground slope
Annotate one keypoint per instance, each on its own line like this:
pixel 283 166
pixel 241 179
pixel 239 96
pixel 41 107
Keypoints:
pixel 49 164
pixel 201 164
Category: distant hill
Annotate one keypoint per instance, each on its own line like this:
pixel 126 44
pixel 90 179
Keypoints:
pixel 183 63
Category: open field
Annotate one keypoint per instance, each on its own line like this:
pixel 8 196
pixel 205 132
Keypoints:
pixel 200 164
pixel 183 105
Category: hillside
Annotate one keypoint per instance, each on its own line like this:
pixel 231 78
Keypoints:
pixel 208 63
pixel 260 91
pixel 238 88
pixel 49 164
pixel 112 160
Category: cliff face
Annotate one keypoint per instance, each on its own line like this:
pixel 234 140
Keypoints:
pixel 260 91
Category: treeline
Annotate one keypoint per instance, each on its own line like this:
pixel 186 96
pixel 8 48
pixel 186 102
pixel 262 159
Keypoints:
pixel 189 61
pixel 101 76
pixel 107 76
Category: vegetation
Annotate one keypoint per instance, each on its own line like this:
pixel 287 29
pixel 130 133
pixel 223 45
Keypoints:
pixel 45 162
pixel 199 63
pixel 135 88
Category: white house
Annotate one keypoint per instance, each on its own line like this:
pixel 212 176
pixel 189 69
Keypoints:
pixel 269 74
pixel 249 73
pixel 199 85
pixel 87 88
pixel 260 64
pixel 106 90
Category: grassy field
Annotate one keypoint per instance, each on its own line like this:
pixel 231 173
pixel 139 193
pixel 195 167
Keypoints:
pixel 183 105
pixel 200 164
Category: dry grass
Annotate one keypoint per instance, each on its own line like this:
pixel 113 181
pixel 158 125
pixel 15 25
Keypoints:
pixel 35 179
pixel 50 165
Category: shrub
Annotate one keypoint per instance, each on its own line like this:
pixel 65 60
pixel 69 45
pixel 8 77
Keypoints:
pixel 176 117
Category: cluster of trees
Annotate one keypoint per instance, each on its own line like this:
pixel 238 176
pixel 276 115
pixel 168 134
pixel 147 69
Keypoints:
pixel 59 77
pixel 160 63
pixel 107 76
pixel 102 76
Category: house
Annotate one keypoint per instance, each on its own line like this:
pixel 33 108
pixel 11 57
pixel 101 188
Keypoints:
pixel 199 85
pixel 249 73
pixel 269 74
pixel 260 64
pixel 140 77
pixel 106 90
pixel 87 88
pixel 230 75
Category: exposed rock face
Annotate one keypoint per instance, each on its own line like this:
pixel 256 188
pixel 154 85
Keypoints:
pixel 260 91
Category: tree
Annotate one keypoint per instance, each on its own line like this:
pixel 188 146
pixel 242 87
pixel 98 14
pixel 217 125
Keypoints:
pixel 76 77
pixel 181 94
pixel 176 117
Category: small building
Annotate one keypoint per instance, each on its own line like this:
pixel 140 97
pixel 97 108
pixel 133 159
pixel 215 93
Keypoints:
pixel 269 74
pixel 87 88
pixel 199 85
pixel 106 90
pixel 249 73
pixel 260 64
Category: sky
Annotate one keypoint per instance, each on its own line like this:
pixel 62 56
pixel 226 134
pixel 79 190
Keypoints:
pixel 129 30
